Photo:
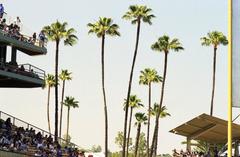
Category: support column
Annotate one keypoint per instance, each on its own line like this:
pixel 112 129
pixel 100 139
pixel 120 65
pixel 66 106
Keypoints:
pixel 188 144
pixel 3 54
pixel 14 56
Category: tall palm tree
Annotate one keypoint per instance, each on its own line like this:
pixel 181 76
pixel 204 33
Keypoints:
pixel 214 39
pixel 49 82
pixel 65 75
pixel 141 118
pixel 147 77
pixel 57 32
pixel 69 102
pixel 104 26
pixel 163 44
pixel 134 102
pixel 136 14
pixel 163 113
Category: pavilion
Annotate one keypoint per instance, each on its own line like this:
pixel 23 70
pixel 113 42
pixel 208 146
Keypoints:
pixel 207 128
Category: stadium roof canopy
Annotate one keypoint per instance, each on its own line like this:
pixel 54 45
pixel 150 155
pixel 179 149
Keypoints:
pixel 207 128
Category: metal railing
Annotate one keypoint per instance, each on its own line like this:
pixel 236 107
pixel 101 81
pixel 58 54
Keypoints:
pixel 20 123
pixel 24 38
pixel 24 69
pixel 25 34
pixel 35 71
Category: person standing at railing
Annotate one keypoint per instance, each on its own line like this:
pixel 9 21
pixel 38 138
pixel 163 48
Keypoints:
pixel 41 38
pixel 4 25
pixel 1 10
pixel 34 37
pixel 17 22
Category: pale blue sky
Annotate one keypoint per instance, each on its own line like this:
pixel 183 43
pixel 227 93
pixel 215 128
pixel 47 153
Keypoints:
pixel 188 85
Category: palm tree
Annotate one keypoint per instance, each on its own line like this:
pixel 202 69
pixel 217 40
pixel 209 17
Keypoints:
pixel 49 82
pixel 163 113
pixel 69 102
pixel 57 32
pixel 163 44
pixel 155 109
pixel 136 14
pixel 215 39
pixel 104 26
pixel 134 102
pixel 65 75
pixel 147 77
pixel 141 118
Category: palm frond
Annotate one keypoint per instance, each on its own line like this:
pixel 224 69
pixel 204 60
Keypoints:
pixel 214 38
pixel 104 26
pixel 137 13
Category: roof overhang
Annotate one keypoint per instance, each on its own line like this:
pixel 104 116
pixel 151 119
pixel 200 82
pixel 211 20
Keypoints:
pixel 207 128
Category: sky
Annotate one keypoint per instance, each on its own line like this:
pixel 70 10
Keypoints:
pixel 189 76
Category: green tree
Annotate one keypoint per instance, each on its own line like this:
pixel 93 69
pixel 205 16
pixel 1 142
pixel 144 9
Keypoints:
pixel 165 45
pixel 66 140
pixel 147 77
pixel 57 32
pixel 104 26
pixel 49 82
pixel 135 14
pixel 142 146
pixel 96 148
pixel 141 118
pixel 214 39
pixel 69 102
pixel 65 75
pixel 134 102
pixel 119 140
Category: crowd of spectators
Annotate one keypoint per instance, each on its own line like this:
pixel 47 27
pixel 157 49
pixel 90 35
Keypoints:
pixel 188 153
pixel 22 140
pixel 13 30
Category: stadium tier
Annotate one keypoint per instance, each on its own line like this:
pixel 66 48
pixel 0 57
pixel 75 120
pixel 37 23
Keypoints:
pixel 12 74
pixel 19 139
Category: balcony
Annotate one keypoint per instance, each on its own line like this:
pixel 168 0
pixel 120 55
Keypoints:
pixel 20 76
pixel 31 49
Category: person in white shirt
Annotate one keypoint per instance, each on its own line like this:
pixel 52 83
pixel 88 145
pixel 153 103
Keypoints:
pixel 17 22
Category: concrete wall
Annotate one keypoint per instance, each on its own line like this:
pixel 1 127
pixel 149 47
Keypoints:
pixel 10 154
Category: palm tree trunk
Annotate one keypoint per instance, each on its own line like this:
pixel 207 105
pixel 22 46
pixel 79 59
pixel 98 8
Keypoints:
pixel 148 126
pixel 155 135
pixel 61 111
pixel 68 115
pixel 105 101
pixel 56 92
pixel 153 140
pixel 129 129
pixel 137 139
pixel 155 145
pixel 48 115
pixel 129 89
pixel 213 86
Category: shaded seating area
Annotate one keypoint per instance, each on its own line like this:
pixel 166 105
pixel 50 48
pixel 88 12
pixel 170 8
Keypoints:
pixel 30 140
pixel 21 76
pixel 207 128
pixel 23 69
